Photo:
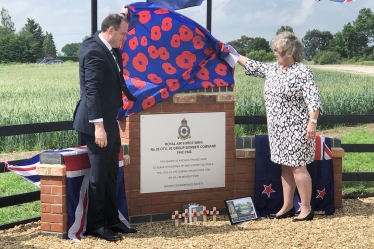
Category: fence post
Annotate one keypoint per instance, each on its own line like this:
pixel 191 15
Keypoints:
pixel 337 161
pixel 54 215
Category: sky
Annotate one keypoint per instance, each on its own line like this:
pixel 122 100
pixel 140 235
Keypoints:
pixel 69 21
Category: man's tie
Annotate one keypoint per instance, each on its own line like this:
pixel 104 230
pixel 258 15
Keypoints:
pixel 115 59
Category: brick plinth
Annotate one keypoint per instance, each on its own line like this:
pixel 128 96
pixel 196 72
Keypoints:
pixel 54 217
pixel 155 206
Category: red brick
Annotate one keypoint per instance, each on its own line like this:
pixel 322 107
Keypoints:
pixel 225 195
pixel 186 198
pixel 134 211
pixel 230 130
pixel 53 199
pixel 58 190
pixel 59 227
pixel 139 202
pixel 134 176
pixel 54 218
pixel 243 177
pixel 214 107
pixel 337 177
pixel 133 185
pixel 337 161
pixel 170 208
pixel 229 113
pixel 203 196
pixel 230 170
pixel 230 147
pixel 244 161
pixel 59 209
pixel 338 185
pixel 230 178
pixel 251 169
pixel 230 162
pixel 244 193
pixel 229 106
pixel 132 194
pixel 45 189
pixel 214 203
pixel 150 195
pixel 241 185
pixel 184 98
pixel 230 154
pixel 134 151
pixel 45 226
pixel 134 126
pixel 230 121
pixel 211 98
pixel 135 160
pixel 175 108
pixel 152 209
pixel 45 208
pixel 134 142
pixel 241 169
pixel 52 180
pixel 338 169
pixel 134 118
pixel 162 200
pixel 153 109
pixel 229 186
pixel 134 135
pixel 193 108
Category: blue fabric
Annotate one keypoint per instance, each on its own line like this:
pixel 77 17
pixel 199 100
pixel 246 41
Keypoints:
pixel 176 4
pixel 166 53
pixel 268 197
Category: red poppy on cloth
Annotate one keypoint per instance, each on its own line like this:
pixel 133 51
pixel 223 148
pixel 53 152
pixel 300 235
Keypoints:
pixel 167 53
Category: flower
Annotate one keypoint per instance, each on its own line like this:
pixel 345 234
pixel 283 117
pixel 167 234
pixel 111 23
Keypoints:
pixel 168 68
pixel 155 33
pixel 144 41
pixel 173 84
pixel 138 83
pixel 133 43
pixel 144 16
pixel 220 82
pixel 207 84
pixel 221 69
pixel 153 52
pixel 185 33
pixel 140 62
pixel 125 58
pixel 166 24
pixel 148 102
pixel 187 74
pixel 126 74
pixel 203 74
pixel 175 41
pixel 164 54
pixel 164 93
pixel 198 42
pixel 154 78
pixel 186 59
pixel 161 11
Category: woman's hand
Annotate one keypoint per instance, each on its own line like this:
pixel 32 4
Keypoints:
pixel 311 130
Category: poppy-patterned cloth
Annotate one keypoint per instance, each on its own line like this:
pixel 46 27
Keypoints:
pixel 290 95
pixel 166 53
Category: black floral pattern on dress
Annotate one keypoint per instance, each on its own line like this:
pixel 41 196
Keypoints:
pixel 290 95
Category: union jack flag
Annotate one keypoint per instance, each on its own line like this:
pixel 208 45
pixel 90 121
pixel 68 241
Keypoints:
pixel 77 180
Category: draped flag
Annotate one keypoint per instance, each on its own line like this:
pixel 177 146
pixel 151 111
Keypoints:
pixel 77 180
pixel 268 198
pixel 176 4
pixel 166 53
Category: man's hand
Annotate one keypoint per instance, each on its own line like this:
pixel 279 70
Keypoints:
pixel 122 123
pixel 100 135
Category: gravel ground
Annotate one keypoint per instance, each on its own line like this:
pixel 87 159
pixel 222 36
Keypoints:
pixel 351 227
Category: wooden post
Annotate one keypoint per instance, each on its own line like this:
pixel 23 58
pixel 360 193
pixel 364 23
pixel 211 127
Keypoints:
pixel 195 215
pixel 186 215
pixel 204 213
pixel 214 214
pixel 176 218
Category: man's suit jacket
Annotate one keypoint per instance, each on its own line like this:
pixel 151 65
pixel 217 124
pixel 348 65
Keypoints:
pixel 101 85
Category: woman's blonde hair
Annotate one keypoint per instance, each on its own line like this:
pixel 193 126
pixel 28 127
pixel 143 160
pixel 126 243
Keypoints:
pixel 288 45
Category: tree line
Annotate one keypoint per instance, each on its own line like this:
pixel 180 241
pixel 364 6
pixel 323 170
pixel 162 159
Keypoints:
pixel 354 43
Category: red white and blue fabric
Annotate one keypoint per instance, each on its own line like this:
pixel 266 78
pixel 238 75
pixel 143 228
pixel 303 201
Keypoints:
pixel 268 197
pixel 77 180
pixel 176 4
pixel 166 53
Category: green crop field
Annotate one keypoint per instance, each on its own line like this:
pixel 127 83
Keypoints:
pixel 48 93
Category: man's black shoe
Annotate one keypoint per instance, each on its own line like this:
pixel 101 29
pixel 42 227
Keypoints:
pixel 105 233
pixel 121 228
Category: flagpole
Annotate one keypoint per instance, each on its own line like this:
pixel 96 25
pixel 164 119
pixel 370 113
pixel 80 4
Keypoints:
pixel 93 17
pixel 209 15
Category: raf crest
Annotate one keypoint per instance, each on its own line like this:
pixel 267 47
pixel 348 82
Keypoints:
pixel 184 130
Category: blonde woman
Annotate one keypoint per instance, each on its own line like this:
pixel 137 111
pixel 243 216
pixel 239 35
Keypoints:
pixel 293 104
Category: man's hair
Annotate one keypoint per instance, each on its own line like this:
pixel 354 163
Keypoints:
pixel 113 20
pixel 288 45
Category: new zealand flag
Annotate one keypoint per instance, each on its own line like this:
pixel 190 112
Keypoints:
pixel 268 197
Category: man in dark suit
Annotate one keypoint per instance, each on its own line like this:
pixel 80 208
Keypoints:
pixel 101 86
